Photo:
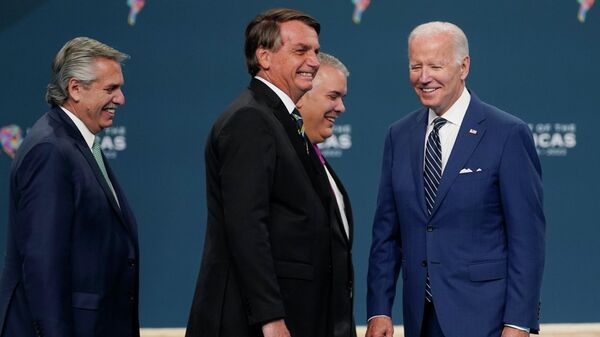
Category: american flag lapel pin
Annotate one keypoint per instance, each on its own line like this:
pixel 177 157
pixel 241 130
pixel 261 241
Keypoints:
pixel 473 131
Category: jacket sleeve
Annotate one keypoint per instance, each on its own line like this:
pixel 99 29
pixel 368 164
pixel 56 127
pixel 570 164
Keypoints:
pixel 386 254
pixel 44 217
pixel 522 200
pixel 247 152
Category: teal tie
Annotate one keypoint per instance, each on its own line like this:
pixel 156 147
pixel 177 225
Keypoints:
pixel 97 152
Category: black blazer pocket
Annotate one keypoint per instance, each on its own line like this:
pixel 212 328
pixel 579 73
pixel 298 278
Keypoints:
pixel 294 270
pixel 87 301
pixel 487 271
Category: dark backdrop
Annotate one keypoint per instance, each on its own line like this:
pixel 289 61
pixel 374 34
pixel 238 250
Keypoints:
pixel 531 58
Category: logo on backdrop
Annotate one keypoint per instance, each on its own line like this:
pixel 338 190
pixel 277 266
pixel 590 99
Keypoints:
pixel 340 141
pixel 113 140
pixel 360 6
pixel 554 139
pixel 584 7
pixel 135 7
pixel 11 137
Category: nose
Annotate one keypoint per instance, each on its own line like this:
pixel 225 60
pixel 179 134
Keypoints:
pixel 312 60
pixel 340 107
pixel 119 97
pixel 424 76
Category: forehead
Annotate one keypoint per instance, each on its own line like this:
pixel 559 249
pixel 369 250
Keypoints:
pixel 108 70
pixel 331 79
pixel 436 45
pixel 297 32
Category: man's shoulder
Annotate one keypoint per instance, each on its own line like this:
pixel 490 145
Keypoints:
pixel 247 111
pixel 410 120
pixel 46 130
pixel 496 115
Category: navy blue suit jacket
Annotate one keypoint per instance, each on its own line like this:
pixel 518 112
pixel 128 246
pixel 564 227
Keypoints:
pixel 483 244
pixel 71 265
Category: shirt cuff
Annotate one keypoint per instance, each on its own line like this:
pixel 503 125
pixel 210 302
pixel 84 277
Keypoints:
pixel 370 318
pixel 517 327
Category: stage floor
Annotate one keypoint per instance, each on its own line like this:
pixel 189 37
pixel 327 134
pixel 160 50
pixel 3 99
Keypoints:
pixel 547 330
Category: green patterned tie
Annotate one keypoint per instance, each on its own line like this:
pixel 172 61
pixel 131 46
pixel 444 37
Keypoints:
pixel 300 127
pixel 97 152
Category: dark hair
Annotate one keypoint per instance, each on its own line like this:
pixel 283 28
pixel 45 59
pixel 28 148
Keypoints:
pixel 263 31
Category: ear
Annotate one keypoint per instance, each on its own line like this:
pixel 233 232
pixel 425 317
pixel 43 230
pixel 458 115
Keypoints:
pixel 264 58
pixel 74 89
pixel 464 67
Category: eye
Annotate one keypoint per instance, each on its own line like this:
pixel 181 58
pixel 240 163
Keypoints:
pixel 415 67
pixel 300 51
pixel 333 97
pixel 109 90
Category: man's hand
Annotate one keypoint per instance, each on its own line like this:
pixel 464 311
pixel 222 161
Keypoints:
pixel 380 327
pixel 275 329
pixel 512 332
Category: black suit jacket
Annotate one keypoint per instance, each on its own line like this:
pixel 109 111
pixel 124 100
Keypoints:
pixel 72 253
pixel 268 245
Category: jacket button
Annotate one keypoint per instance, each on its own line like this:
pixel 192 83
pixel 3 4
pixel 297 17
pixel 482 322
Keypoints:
pixel 131 298
pixel 424 263
pixel 430 228
pixel 131 263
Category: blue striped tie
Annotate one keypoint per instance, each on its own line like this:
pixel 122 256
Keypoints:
pixel 432 176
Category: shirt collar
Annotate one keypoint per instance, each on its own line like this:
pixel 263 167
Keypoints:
pixel 88 136
pixel 457 111
pixel 287 101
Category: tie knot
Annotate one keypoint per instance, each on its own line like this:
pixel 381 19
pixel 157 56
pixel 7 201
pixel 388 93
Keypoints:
pixel 438 122
pixel 296 114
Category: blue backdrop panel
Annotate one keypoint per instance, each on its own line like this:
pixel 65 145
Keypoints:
pixel 533 59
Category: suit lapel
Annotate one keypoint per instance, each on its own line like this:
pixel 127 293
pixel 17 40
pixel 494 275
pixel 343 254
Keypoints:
pixel 465 144
pixel 314 171
pixel 82 146
pixel 417 149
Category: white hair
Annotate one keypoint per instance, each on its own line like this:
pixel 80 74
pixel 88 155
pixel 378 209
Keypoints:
pixel 460 44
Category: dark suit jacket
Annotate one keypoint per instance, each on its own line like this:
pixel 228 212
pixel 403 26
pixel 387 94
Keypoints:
pixel 483 244
pixel 270 249
pixel 72 253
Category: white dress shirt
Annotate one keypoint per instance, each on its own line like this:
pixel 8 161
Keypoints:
pixel 88 136
pixel 287 101
pixel 449 131
pixel 340 201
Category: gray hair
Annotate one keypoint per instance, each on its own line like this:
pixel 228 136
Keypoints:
pixel 460 43
pixel 330 60
pixel 76 60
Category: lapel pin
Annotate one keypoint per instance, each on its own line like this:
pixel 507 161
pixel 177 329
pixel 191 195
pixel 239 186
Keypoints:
pixel 473 131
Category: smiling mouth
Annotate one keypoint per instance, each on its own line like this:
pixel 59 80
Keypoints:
pixel 306 74
pixel 331 119
pixel 428 90
pixel 111 111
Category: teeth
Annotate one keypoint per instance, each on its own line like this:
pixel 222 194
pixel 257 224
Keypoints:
pixel 306 74
pixel 429 89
